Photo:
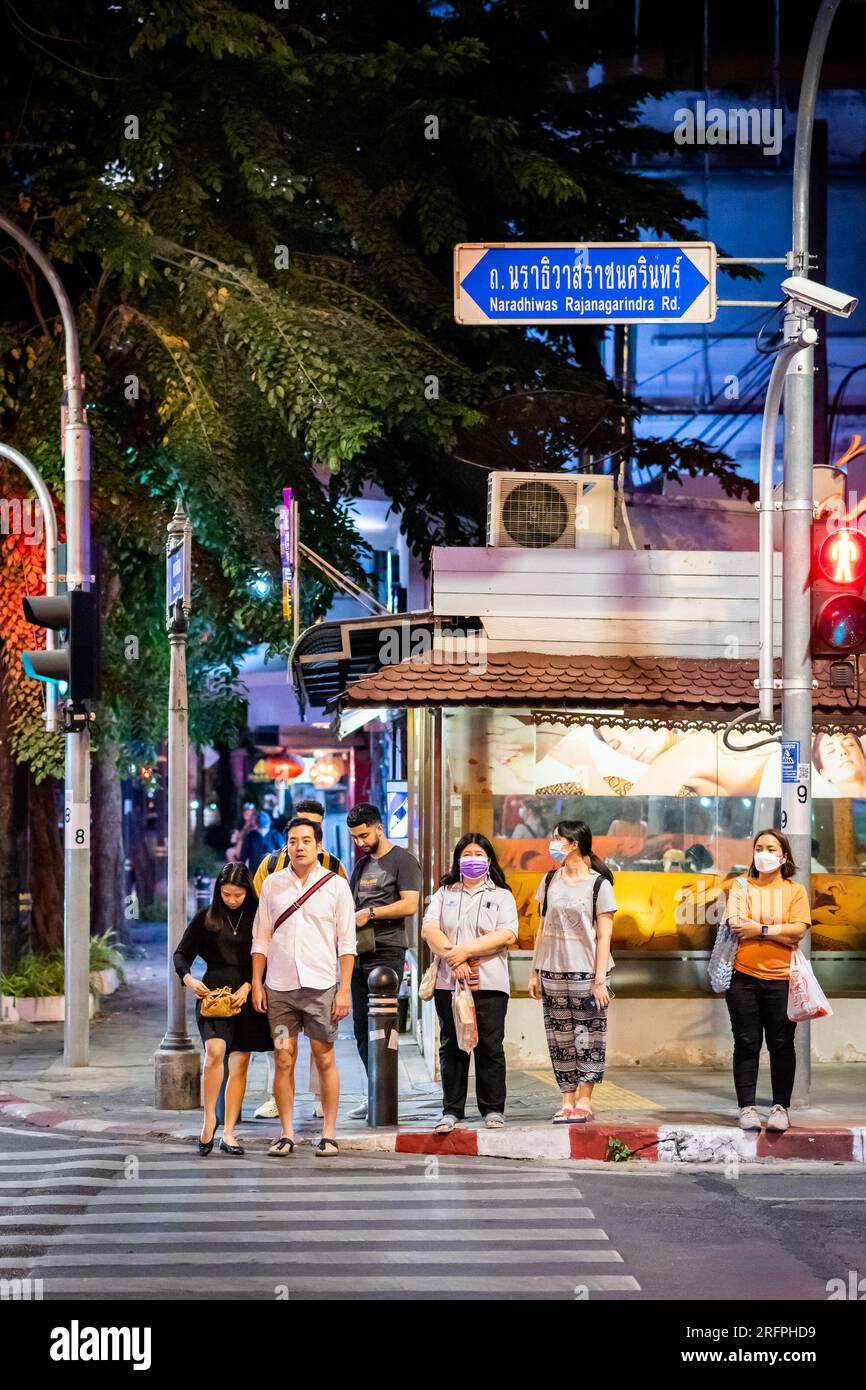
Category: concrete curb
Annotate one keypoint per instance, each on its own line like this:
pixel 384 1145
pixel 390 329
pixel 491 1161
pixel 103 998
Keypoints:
pixel 659 1143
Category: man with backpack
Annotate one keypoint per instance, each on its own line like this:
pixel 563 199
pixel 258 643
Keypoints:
pixel 279 858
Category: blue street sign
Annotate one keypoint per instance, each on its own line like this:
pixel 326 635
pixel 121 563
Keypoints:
pixel 586 282
pixel 175 584
pixel 790 760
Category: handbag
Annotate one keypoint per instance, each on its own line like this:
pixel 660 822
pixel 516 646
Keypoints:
pixel 217 1003
pixel 366 939
pixel 806 999
pixel 428 979
pixel 720 967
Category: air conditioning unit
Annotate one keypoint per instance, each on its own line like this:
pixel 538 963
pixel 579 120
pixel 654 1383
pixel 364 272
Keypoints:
pixel 546 511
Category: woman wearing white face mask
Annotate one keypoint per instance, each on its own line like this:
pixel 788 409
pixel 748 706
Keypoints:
pixel 572 964
pixel 469 925
pixel 770 915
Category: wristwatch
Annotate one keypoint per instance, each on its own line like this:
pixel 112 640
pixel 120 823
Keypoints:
pixel 765 928
pixel 372 912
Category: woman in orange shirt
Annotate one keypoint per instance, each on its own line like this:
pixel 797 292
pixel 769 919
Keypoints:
pixel 770 916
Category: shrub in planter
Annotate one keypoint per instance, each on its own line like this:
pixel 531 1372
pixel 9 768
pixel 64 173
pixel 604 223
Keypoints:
pixel 106 964
pixel 34 991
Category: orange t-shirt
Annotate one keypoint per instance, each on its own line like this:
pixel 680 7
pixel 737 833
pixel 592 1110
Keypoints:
pixel 782 901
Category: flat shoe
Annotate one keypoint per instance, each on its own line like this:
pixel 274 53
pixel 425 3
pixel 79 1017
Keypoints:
pixel 231 1148
pixel 205 1148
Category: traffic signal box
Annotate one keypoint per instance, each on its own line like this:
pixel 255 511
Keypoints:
pixel 72 666
pixel 838 580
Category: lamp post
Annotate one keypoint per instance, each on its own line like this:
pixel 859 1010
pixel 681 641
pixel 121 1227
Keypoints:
pixel 176 1060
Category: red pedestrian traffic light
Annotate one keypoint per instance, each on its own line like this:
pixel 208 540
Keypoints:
pixel 838 581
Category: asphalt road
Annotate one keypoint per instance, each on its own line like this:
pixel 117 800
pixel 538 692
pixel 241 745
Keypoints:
pixel 119 1221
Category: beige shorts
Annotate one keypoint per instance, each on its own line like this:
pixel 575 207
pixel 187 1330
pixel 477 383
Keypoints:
pixel 291 1010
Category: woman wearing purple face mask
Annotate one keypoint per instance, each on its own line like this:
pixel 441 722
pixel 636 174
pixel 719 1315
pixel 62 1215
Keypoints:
pixel 469 925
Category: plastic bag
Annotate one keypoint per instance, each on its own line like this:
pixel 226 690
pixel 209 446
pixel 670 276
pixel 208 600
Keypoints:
pixel 806 999
pixel 465 1021
pixel 720 967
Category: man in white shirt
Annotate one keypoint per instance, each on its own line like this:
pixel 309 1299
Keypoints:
pixel 310 955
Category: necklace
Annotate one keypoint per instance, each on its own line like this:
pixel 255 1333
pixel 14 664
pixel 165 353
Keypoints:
pixel 235 926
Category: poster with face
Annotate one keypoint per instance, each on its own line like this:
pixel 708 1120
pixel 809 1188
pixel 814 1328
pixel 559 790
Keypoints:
pixel 498 753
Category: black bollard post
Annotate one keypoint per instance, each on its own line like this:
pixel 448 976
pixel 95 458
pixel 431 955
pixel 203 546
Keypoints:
pixel 382 1037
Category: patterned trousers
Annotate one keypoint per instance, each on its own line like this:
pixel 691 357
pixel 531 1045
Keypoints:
pixel 576 1029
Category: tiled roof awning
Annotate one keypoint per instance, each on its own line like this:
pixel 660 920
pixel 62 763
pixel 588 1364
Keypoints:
pixel 685 687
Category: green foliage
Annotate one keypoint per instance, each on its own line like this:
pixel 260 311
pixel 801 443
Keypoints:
pixel 617 1150
pixel 35 977
pixel 104 954
pixel 256 229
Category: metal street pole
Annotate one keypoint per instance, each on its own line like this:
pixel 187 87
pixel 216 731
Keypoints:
pixel 797 510
pixel 76 499
pixel 176 1060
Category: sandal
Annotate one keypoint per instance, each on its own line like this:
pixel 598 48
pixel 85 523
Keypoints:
pixel 494 1120
pixel 326 1148
pixel 282 1147
pixel 446 1124
pixel 580 1115
pixel 563 1116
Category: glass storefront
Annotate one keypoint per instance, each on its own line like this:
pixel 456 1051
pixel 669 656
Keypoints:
pixel 672 810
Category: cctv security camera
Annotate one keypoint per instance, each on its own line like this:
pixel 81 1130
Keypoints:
pixel 819 296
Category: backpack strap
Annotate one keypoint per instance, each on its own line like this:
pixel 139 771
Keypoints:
pixel 548 879
pixel 596 889
pixel 273 861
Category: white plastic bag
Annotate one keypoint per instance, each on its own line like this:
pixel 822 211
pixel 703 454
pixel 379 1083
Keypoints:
pixel 806 999
pixel 464 1016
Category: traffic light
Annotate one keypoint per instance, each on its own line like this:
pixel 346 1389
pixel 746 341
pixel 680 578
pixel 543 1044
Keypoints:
pixel 73 666
pixel 838 581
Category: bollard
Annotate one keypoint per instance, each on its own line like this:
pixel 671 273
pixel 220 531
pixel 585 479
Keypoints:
pixel 382 1037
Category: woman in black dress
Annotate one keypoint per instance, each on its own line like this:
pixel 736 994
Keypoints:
pixel 222 935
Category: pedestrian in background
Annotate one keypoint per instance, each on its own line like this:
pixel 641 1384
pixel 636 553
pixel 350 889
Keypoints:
pixel 277 859
pixel 770 915
pixel 304 937
pixel 221 935
pixel 386 886
pixel 470 923
pixel 259 841
pixel 571 966
pixel 234 853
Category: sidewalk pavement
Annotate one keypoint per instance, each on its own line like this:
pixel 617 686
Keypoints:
pixel 674 1115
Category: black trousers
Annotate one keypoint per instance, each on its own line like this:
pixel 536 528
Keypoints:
pixel 393 956
pixel 759 1011
pixel 490 1008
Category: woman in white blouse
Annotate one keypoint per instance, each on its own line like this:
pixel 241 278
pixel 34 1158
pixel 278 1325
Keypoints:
pixel 469 925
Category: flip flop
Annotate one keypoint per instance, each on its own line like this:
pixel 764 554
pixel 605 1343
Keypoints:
pixel 563 1116
pixel 580 1116
pixel 282 1147
pixel 445 1125
pixel 326 1148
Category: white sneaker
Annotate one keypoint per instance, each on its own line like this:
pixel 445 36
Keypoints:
pixel 778 1120
pixel 267 1111
pixel 360 1112
pixel 750 1120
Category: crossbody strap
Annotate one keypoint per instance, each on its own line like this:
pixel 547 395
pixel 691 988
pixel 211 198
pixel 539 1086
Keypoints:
pixel 299 902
